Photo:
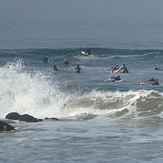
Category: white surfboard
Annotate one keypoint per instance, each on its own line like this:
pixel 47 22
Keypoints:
pixel 118 69
pixel 84 53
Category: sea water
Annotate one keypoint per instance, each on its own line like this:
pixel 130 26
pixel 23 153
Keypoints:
pixel 99 121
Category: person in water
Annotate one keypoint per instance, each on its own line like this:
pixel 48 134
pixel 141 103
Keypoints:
pixel 155 83
pixel 155 68
pixel 114 69
pixel 113 79
pixel 87 51
pixel 77 68
pixel 46 59
pixel 55 68
pixel 142 82
pixel 152 80
pixel 124 69
pixel 65 61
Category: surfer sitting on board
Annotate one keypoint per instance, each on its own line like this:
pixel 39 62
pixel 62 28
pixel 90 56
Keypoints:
pixel 46 59
pixel 113 79
pixel 78 68
pixel 87 51
pixel 152 80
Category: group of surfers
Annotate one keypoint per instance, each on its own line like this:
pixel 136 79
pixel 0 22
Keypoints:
pixel 113 70
pixel 155 81
pixel 124 70
pixel 77 68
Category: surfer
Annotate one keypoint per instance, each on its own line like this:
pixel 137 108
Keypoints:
pixel 55 68
pixel 113 79
pixel 46 59
pixel 155 83
pixel 142 82
pixel 114 69
pixel 65 61
pixel 77 68
pixel 124 69
pixel 87 51
pixel 152 79
pixel 155 68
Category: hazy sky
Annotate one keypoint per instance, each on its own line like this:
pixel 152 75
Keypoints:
pixel 81 8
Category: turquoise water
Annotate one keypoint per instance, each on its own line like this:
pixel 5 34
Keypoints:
pixel 99 122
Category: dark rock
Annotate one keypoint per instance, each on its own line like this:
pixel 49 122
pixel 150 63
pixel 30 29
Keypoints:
pixel 25 117
pixel 54 119
pixel 28 118
pixel 5 126
pixel 13 116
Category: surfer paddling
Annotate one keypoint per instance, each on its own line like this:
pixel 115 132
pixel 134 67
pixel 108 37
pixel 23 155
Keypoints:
pixel 113 79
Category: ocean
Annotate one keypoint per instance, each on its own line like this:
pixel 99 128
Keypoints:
pixel 98 121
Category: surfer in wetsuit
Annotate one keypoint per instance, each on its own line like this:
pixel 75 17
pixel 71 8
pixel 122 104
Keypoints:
pixel 113 79
pixel 87 51
pixel 152 79
pixel 55 68
pixel 155 83
pixel 155 68
pixel 78 68
pixel 124 69
pixel 65 61
pixel 46 59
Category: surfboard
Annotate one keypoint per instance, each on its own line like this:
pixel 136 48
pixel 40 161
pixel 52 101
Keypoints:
pixel 119 69
pixel 84 53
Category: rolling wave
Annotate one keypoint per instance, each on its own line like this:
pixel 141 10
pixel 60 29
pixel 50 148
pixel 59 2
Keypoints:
pixel 34 92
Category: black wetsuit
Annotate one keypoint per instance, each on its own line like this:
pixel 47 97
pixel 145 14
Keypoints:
pixel 124 70
pixel 155 83
pixel 78 69
pixel 55 68
pixel 87 51
pixel 46 59
pixel 66 62
pixel 115 78
pixel 152 79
